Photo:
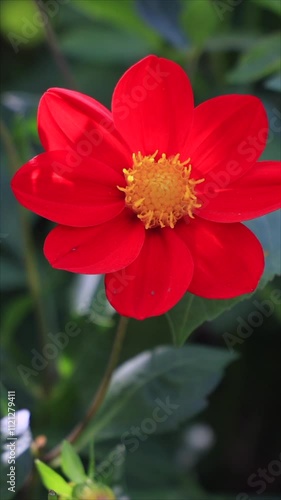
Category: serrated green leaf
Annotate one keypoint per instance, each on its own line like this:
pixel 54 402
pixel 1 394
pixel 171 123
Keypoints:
pixel 193 311
pixel 183 377
pixel 52 480
pixel 258 62
pixel 71 464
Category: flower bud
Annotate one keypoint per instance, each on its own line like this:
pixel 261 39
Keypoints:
pixel 93 492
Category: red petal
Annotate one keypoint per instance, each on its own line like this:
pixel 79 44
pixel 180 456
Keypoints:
pixel 96 250
pixel 156 280
pixel 75 195
pixel 73 121
pixel 229 133
pixel 152 106
pixel 257 193
pixel 228 258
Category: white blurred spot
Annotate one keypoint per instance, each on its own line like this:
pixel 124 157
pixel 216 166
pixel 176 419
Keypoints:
pixel 85 288
pixel 200 437
pixel 22 432
pixel 22 423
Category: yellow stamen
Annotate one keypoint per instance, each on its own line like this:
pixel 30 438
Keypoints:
pixel 160 191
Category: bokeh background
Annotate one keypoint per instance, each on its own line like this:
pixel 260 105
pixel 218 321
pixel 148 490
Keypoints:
pixel 226 46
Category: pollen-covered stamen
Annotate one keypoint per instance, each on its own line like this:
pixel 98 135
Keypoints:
pixel 160 191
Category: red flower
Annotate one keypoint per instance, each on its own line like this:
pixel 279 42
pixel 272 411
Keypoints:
pixel 153 193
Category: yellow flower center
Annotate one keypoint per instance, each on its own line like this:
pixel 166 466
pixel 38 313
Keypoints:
pixel 160 191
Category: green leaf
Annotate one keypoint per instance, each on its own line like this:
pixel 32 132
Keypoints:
pixel 231 41
pixel 154 455
pixel 124 17
pixel 106 46
pixel 17 17
pixel 258 62
pixel 166 380
pixel 192 491
pixel 273 5
pixel 112 475
pixel 52 480
pixel 92 462
pixel 274 82
pixel 193 311
pixel 71 464
pixel 199 19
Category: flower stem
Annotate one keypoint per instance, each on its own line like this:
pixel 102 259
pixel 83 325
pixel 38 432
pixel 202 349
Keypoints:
pixel 55 48
pixel 101 392
pixel 33 278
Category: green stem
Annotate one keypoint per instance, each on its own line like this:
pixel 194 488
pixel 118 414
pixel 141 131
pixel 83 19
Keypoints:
pixel 101 392
pixel 55 48
pixel 33 278
pixel 192 61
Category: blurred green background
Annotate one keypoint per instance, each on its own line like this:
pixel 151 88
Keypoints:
pixel 225 46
